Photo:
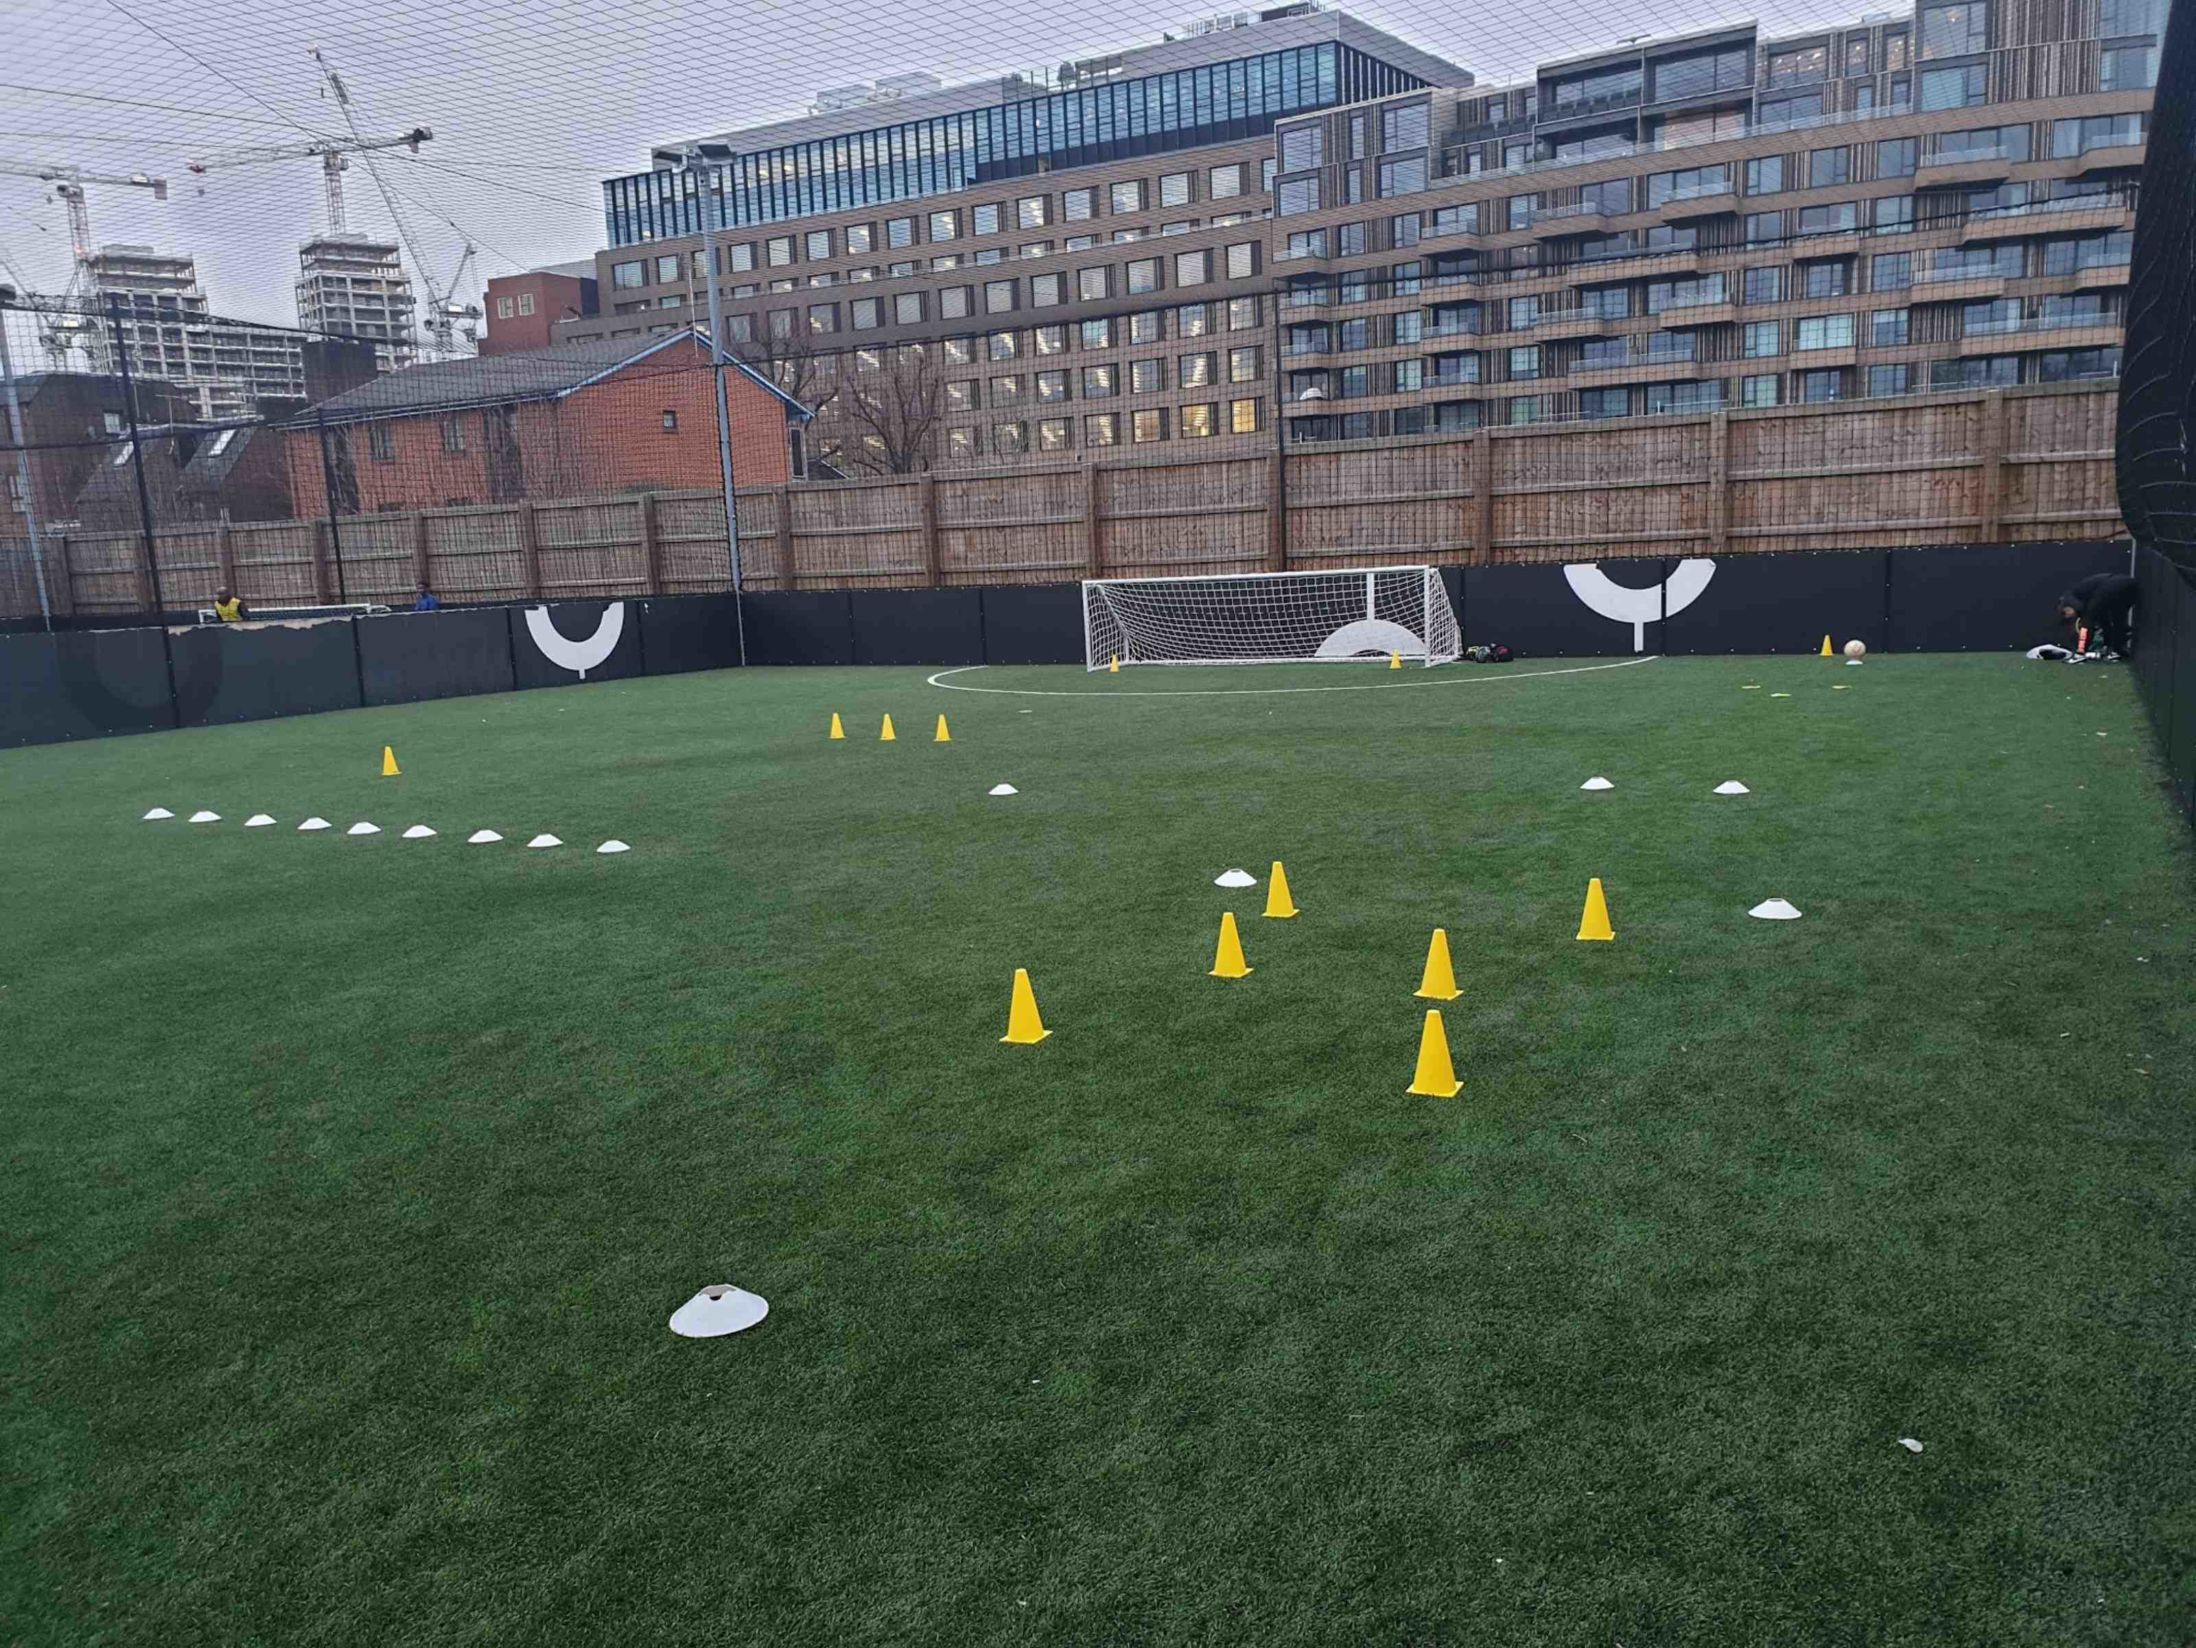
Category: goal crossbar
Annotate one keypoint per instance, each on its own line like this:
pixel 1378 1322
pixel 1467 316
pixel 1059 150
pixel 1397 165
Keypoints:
pixel 1338 615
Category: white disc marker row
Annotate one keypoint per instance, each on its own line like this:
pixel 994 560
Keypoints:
pixel 417 832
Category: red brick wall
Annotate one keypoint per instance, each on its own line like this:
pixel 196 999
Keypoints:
pixel 552 295
pixel 609 437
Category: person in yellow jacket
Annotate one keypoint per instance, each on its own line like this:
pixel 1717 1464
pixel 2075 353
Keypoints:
pixel 229 607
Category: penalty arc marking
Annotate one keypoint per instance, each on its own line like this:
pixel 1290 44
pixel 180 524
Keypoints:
pixel 939 680
pixel 577 656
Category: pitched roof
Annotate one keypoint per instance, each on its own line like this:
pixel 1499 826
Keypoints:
pixel 494 380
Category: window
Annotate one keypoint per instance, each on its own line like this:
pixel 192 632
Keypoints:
pixel 1896 157
pixel 1954 31
pixel 1100 381
pixel 1826 168
pixel 945 225
pixel 1826 280
pixel 2116 18
pixel 1243 417
pixel 503 308
pixel 1887 328
pixel 866 314
pixel 1894 214
pixel 1404 128
pixel 1823 332
pixel 1958 88
pixel 1243 364
pixel 1690 184
pixel 860 238
pixel 1304 147
pixel 960 395
pixel 1192 268
pixel 1856 56
pixel 1525 361
pixel 1148 327
pixel 628 277
pixel 984 220
pixel 959 351
pixel 1296 194
pixel 1454 220
pixel 1891 271
pixel 1126 197
pixel 1765 176
pixel 1194 371
pixel 1701 75
pixel 380 441
pixel 899 232
pixel 1897 49
pixel 1009 438
pixel 1174 189
pixel 1800 67
pixel 1353 335
pixel 2127 68
pixel 1197 421
pixel 1817 387
pixel 1046 290
pixel 1143 276
pixel 1758 391
pixel 1242 262
pixel 1004 346
pixel 1006 391
pixel 1402 176
pixel 1242 314
pixel 1763 338
pixel 1148 426
pixel 1765 286
pixel 667 269
pixel 953 303
pixel 1097 334
pixel 823 317
pixel 1092 284
pixel 998 297
pixel 1829 220
pixel 1192 320
pixel 1224 182
pixel 1890 380
pixel 1079 205
pixel 1410 376
pixel 1102 429
pixel 1053 385
pixel 907 309
pixel 453 434
pixel 1764 228
pixel 960 443
pixel 740 257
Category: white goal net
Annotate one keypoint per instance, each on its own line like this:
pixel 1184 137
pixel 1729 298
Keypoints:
pixel 1370 613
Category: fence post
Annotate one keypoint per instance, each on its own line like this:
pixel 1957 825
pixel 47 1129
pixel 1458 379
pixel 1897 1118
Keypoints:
pixel 651 548
pixel 147 581
pixel 224 555
pixel 1094 522
pixel 1990 486
pixel 926 509
pixel 421 560
pixel 1277 513
pixel 782 500
pixel 1483 497
pixel 530 552
pixel 323 581
pixel 1719 482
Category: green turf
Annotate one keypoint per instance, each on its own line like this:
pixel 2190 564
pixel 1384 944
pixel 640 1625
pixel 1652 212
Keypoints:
pixel 348 1184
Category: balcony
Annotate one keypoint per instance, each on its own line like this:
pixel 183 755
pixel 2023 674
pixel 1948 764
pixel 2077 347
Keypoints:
pixel 1956 285
pixel 1648 368
pixel 1719 312
pixel 1821 360
pixel 1560 113
pixel 2109 158
pixel 1686 207
pixel 1991 165
pixel 2098 276
pixel 2076 214
pixel 1572 323
pixel 2041 332
pixel 1584 218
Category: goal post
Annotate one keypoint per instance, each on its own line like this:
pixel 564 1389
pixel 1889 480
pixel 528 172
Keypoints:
pixel 1362 614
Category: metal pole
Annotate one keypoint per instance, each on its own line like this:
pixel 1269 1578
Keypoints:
pixel 328 483
pixel 724 416
pixel 144 502
pixel 23 471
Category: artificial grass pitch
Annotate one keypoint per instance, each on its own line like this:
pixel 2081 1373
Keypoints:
pixel 349 1184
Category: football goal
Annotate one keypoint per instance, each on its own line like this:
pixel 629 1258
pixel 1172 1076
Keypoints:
pixel 1365 614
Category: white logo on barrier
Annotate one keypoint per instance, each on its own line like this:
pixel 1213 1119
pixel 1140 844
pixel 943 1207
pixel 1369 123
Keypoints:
pixel 1370 635
pixel 1639 607
pixel 577 656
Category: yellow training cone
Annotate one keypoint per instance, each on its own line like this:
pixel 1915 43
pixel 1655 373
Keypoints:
pixel 943 736
pixel 1278 903
pixel 1228 961
pixel 888 736
pixel 1826 652
pixel 1395 660
pixel 389 768
pixel 1439 982
pixel 1594 922
pixel 1113 665
pixel 1024 1027
pixel 1436 1077
pixel 837 731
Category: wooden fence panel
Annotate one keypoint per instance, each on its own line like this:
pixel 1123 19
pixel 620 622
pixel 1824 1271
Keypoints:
pixel 377 558
pixel 591 549
pixel 274 562
pixel 1012 528
pixel 477 554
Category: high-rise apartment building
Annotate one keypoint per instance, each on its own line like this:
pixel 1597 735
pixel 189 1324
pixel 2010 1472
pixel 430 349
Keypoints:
pixel 1302 220
pixel 225 368
pixel 355 287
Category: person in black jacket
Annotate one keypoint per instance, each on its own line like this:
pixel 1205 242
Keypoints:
pixel 2098 607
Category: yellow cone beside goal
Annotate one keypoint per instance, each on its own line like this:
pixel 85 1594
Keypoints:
pixel 1279 904
pixel 888 736
pixel 943 737
pixel 1395 660
pixel 389 767
pixel 1439 980
pixel 1826 652
pixel 1024 1027
pixel 1436 1076
pixel 1227 961
pixel 1593 922
pixel 1113 665
pixel 837 731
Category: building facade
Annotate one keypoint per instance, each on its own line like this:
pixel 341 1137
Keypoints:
pixel 354 287
pixel 523 309
pixel 225 367
pixel 1942 199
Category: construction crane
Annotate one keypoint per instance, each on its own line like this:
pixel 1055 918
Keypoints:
pixel 64 318
pixel 332 164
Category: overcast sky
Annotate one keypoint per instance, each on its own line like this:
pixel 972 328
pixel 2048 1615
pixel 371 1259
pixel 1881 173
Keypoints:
pixel 534 102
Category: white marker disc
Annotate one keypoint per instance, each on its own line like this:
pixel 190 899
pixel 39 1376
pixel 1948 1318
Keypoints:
pixel 1597 784
pixel 1235 878
pixel 157 812
pixel 545 841
pixel 316 824
pixel 1002 789
pixel 1731 786
pixel 259 821
pixel 717 1311
pixel 481 838
pixel 204 817
pixel 418 832
pixel 613 845
pixel 1774 909
pixel 363 828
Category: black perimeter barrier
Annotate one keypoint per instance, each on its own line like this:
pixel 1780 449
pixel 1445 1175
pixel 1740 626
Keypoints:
pixel 2157 423
pixel 1995 598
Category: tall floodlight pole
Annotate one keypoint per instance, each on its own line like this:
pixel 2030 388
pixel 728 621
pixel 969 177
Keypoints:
pixel 700 160
pixel 22 460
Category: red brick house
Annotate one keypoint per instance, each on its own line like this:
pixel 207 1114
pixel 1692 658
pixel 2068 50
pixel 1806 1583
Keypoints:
pixel 574 420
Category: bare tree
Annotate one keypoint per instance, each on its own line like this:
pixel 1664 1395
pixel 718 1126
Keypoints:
pixel 885 415
pixel 791 360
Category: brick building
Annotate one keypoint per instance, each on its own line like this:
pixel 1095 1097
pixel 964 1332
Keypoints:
pixel 576 420
pixel 1303 221
pixel 524 308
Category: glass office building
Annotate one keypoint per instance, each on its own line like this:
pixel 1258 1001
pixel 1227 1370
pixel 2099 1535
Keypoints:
pixel 1027 129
